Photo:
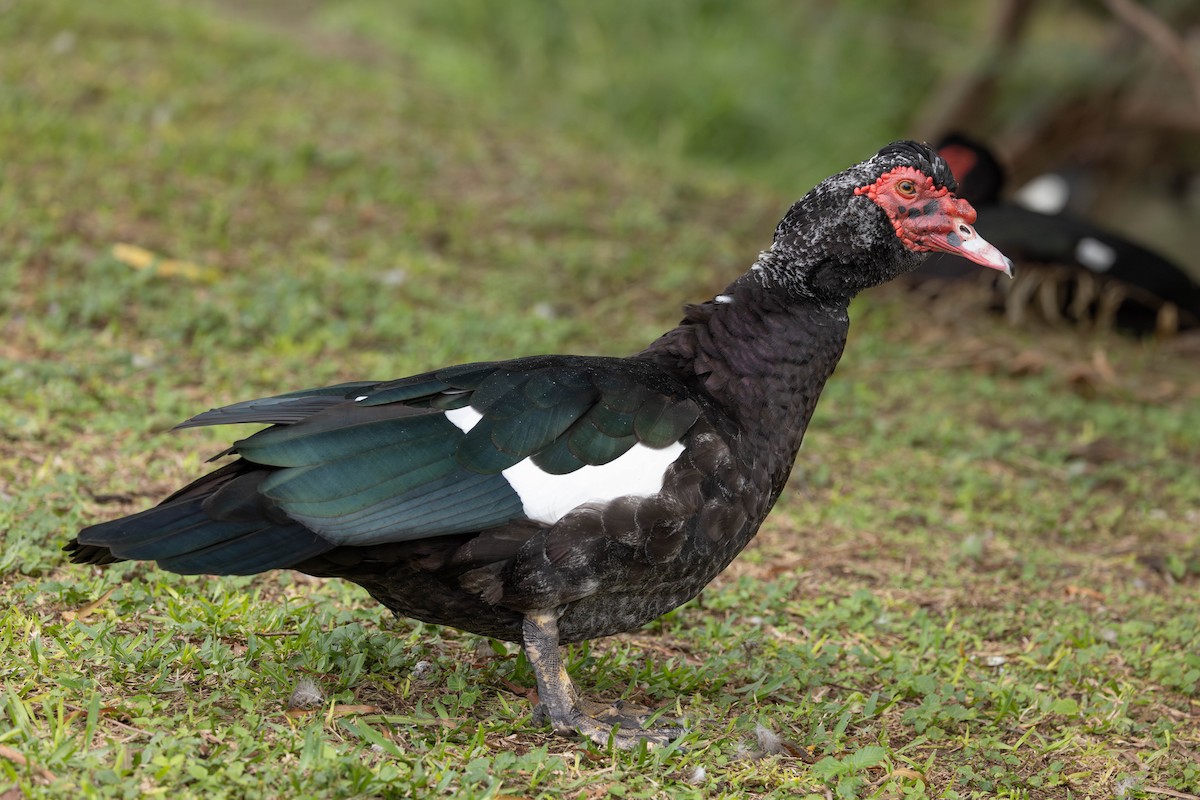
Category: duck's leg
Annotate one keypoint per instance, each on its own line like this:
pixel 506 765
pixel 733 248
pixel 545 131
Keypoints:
pixel 561 704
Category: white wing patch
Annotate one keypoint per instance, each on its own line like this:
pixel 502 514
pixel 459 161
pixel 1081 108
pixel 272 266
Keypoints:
pixel 1045 194
pixel 1095 254
pixel 548 498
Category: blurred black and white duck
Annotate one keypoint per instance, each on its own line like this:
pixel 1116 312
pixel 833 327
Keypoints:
pixel 1072 270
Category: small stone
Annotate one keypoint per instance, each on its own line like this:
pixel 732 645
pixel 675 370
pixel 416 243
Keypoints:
pixel 62 43
pixel 393 277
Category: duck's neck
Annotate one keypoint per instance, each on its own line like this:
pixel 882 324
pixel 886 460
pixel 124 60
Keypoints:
pixel 762 353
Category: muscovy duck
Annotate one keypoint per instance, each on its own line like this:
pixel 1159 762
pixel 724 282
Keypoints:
pixel 1072 269
pixel 554 499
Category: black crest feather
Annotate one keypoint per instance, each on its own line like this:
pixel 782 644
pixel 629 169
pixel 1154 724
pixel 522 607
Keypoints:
pixel 924 158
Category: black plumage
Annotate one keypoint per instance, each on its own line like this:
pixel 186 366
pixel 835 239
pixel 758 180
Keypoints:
pixel 555 499
pixel 1073 269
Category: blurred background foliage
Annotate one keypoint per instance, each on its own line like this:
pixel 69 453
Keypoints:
pixel 778 90
pixel 772 90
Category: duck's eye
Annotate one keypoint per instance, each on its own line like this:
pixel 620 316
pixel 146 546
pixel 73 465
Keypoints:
pixel 907 188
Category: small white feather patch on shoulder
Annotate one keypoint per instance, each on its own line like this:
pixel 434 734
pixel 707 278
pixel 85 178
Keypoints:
pixel 548 498
pixel 723 298
pixel 1095 254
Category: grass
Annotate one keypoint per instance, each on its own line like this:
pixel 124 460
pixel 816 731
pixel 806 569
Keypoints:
pixel 981 582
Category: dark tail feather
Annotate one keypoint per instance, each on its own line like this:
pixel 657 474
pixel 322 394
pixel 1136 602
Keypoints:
pixel 219 525
pixel 89 554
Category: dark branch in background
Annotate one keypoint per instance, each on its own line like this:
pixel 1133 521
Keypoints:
pixel 1129 121
pixel 966 97
pixel 1161 36
pixel 1082 125
pixel 1138 112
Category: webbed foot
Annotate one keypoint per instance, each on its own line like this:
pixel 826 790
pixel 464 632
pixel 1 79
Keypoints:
pixel 624 724
pixel 618 721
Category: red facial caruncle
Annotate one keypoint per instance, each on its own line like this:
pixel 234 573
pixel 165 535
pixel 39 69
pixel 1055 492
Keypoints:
pixel 928 218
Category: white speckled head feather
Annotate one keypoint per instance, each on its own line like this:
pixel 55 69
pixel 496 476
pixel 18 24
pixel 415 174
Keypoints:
pixel 832 243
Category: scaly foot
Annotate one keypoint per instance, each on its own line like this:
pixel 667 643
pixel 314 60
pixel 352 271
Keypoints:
pixel 622 723
pixel 625 723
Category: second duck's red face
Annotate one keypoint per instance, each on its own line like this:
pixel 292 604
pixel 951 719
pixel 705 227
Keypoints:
pixel 929 218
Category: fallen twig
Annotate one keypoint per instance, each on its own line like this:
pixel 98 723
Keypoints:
pixel 1170 792
pixel 18 757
